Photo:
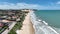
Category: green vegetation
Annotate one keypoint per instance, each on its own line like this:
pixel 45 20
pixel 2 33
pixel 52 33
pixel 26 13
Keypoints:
pixel 3 28
pixel 17 26
pixel 10 14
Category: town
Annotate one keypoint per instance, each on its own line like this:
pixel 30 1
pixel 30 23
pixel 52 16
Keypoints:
pixel 11 20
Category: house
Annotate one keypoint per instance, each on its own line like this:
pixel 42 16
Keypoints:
pixel 1 24
pixel 6 21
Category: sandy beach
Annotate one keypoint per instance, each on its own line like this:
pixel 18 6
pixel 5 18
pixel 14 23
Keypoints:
pixel 27 26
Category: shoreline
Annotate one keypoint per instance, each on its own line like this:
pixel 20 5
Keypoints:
pixel 27 27
pixel 40 25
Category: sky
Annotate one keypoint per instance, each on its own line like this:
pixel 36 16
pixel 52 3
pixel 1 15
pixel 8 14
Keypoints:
pixel 30 4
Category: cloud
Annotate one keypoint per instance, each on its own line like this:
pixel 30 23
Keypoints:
pixel 6 5
pixel 18 6
pixel 58 2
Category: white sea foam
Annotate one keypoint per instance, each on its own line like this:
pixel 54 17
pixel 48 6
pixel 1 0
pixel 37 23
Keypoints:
pixel 45 23
pixel 41 27
pixel 57 29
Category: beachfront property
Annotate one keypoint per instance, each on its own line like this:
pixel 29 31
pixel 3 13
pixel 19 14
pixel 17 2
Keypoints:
pixel 15 22
pixel 8 19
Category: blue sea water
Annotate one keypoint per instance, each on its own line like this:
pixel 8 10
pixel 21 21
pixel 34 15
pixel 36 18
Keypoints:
pixel 52 17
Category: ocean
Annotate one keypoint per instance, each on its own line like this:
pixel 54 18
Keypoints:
pixel 52 17
pixel 51 24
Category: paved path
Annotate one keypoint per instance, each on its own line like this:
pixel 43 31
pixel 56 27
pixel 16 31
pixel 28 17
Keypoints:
pixel 10 27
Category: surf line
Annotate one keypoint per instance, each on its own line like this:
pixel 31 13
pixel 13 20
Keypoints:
pixel 49 27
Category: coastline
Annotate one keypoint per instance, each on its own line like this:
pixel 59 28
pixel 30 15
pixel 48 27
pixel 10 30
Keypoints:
pixel 27 27
pixel 30 26
pixel 41 26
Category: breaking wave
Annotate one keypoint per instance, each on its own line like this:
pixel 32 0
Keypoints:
pixel 41 27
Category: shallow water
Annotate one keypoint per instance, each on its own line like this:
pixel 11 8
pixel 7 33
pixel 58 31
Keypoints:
pixel 40 27
pixel 52 17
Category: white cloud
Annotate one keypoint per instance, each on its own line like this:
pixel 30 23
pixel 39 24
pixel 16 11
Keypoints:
pixel 58 2
pixel 7 5
pixel 18 6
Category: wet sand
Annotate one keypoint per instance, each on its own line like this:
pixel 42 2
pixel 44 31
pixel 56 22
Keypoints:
pixel 27 26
